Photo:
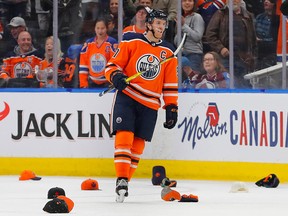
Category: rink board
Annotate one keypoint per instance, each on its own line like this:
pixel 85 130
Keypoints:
pixel 218 135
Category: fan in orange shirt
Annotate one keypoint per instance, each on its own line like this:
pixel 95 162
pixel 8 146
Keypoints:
pixel 45 75
pixel 94 56
pixel 140 18
pixel 23 60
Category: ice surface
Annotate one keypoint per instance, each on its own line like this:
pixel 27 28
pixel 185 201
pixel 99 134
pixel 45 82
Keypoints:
pixel 29 197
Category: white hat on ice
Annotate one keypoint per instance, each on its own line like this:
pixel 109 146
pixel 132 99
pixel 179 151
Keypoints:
pixel 239 187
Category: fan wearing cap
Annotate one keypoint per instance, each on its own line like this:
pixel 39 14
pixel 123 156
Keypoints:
pixel 136 103
pixel 140 19
pixel 16 25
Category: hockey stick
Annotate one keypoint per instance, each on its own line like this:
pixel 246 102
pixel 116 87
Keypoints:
pixel 111 88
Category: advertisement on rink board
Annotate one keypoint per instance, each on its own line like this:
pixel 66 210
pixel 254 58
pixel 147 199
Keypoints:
pixel 211 127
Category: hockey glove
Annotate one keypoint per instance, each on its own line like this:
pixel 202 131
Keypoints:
pixel 171 116
pixel 119 80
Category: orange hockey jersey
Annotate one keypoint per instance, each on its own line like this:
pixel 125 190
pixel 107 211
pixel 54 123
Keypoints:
pixel 93 60
pixel 19 66
pixel 137 54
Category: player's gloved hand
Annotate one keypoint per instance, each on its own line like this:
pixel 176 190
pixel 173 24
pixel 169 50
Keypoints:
pixel 171 116
pixel 119 80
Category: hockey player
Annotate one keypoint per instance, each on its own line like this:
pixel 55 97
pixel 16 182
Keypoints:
pixel 136 103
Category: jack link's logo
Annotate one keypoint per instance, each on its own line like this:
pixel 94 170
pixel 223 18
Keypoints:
pixel 194 129
pixel 150 64
pixel 5 111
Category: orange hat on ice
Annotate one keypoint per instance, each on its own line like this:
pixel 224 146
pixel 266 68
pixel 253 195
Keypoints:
pixel 28 175
pixel 68 201
pixel 90 184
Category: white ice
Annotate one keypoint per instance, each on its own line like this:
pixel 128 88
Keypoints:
pixel 29 197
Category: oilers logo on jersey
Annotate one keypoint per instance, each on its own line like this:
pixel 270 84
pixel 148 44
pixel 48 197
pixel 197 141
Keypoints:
pixel 149 63
pixel 22 70
pixel 97 62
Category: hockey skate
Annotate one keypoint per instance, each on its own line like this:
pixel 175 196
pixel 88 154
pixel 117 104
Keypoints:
pixel 121 190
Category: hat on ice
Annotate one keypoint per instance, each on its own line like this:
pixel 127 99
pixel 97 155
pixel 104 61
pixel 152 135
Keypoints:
pixel 89 184
pixel 28 175
pixel 68 201
pixel 55 192
pixel 158 174
pixel 167 194
pixel 270 181
pixel 167 182
pixel 56 206
pixel 238 187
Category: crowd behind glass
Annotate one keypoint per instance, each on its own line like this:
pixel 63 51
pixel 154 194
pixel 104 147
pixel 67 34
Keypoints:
pixel 26 41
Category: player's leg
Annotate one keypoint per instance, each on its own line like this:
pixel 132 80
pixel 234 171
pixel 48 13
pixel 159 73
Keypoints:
pixel 146 120
pixel 136 152
pixel 123 121
pixel 122 161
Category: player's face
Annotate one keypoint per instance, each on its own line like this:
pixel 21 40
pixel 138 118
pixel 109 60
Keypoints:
pixel 49 47
pixel 25 42
pixel 100 29
pixel 159 26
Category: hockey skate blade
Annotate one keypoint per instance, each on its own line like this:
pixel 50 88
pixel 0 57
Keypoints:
pixel 120 198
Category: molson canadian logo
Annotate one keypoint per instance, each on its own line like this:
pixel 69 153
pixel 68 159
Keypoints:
pixel 257 128
pixel 196 129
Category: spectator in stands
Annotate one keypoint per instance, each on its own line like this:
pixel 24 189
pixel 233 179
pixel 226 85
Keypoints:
pixel 266 27
pixel 12 8
pixel 169 7
pixel 215 75
pixel 193 25
pixel 45 73
pixel 284 8
pixel 254 6
pixel 90 10
pixel 128 12
pixel 16 25
pixel 148 3
pixel 206 9
pixel 217 35
pixel 23 60
pixel 43 17
pixel 112 30
pixel 69 21
pixel 96 52
pixel 140 20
